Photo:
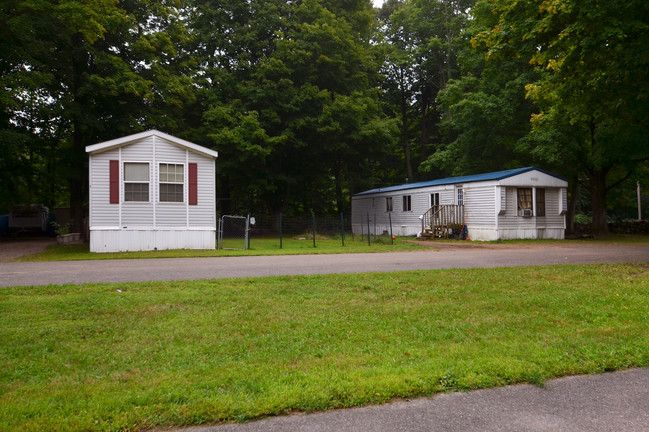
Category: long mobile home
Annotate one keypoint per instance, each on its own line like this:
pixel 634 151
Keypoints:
pixel 151 191
pixel 512 204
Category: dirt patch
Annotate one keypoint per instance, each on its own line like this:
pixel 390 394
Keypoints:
pixel 463 244
pixel 14 248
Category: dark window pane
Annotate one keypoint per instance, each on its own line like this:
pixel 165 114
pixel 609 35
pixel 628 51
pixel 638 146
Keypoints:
pixel 170 192
pixel 136 192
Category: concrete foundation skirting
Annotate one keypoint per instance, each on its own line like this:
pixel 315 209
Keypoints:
pixel 145 240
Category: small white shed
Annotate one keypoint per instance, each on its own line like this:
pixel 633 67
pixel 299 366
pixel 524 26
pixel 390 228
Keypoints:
pixel 151 191
pixel 512 204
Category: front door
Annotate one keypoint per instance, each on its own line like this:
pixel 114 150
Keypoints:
pixel 434 200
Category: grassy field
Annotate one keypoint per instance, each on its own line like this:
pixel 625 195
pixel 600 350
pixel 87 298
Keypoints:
pixel 110 357
pixel 258 246
pixel 298 246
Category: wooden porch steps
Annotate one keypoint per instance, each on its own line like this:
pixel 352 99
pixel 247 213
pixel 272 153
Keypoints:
pixel 442 221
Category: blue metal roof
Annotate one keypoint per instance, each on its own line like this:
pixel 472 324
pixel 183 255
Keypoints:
pixel 498 175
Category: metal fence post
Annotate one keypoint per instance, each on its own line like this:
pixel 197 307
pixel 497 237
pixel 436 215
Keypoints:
pixel 280 230
pixel 368 229
pixel 247 239
pixel 313 216
pixel 219 233
pixel 375 225
pixel 342 227
pixel 391 236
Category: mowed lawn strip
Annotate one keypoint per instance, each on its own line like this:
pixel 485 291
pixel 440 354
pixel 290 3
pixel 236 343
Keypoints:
pixel 258 246
pixel 108 357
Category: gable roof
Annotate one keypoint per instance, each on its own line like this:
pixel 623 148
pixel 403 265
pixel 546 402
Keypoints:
pixel 129 139
pixel 497 175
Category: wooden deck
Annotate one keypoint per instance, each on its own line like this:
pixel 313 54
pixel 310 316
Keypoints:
pixel 442 221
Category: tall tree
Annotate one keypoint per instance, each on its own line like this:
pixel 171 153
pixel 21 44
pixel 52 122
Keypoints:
pixel 92 70
pixel 423 39
pixel 594 62
pixel 306 101
pixel 487 113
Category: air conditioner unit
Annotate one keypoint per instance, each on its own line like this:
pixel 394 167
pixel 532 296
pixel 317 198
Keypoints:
pixel 526 213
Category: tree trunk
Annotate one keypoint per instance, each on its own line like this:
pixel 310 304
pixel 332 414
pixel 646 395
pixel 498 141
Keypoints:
pixel 340 207
pixel 78 177
pixel 405 142
pixel 598 194
pixel 573 190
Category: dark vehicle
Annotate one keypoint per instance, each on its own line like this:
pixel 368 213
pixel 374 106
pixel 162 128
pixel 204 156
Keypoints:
pixel 33 218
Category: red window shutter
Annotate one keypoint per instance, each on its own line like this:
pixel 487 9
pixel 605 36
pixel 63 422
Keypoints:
pixel 114 182
pixel 193 184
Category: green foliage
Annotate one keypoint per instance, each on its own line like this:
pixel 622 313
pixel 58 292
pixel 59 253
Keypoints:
pixel 423 40
pixel 294 125
pixel 75 73
pixel 308 102
pixel 592 86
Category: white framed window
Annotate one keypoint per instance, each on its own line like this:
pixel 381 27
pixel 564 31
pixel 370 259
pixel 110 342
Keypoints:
pixel 460 196
pixel 136 181
pixel 540 202
pixel 172 182
pixel 434 199
pixel 388 204
pixel 407 203
pixel 524 197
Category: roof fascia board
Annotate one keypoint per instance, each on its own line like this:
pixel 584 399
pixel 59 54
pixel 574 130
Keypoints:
pixel 123 141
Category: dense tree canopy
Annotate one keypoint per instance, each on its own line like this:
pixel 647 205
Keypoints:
pixel 310 101
pixel 594 87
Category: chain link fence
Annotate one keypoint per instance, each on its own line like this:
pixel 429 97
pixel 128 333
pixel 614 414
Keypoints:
pixel 236 232
pixel 300 226
pixel 233 232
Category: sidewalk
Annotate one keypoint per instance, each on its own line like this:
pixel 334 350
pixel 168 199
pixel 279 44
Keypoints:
pixel 615 402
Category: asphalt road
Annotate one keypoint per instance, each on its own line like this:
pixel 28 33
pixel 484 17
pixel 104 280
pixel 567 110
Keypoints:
pixel 612 402
pixel 62 272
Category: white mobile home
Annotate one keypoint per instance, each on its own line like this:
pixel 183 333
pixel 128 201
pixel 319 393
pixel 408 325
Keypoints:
pixel 513 204
pixel 151 191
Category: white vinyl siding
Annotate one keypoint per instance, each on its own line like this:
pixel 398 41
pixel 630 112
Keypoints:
pixel 403 222
pixel 553 217
pixel 136 213
pixel 480 200
pixel 204 213
pixel 490 208
pixel 103 213
pixel 169 219
pixel 511 220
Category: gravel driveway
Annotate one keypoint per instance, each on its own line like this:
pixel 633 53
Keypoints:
pixel 12 248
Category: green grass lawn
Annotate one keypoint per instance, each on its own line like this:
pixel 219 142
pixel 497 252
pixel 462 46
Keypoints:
pixel 107 357
pixel 298 246
pixel 258 246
